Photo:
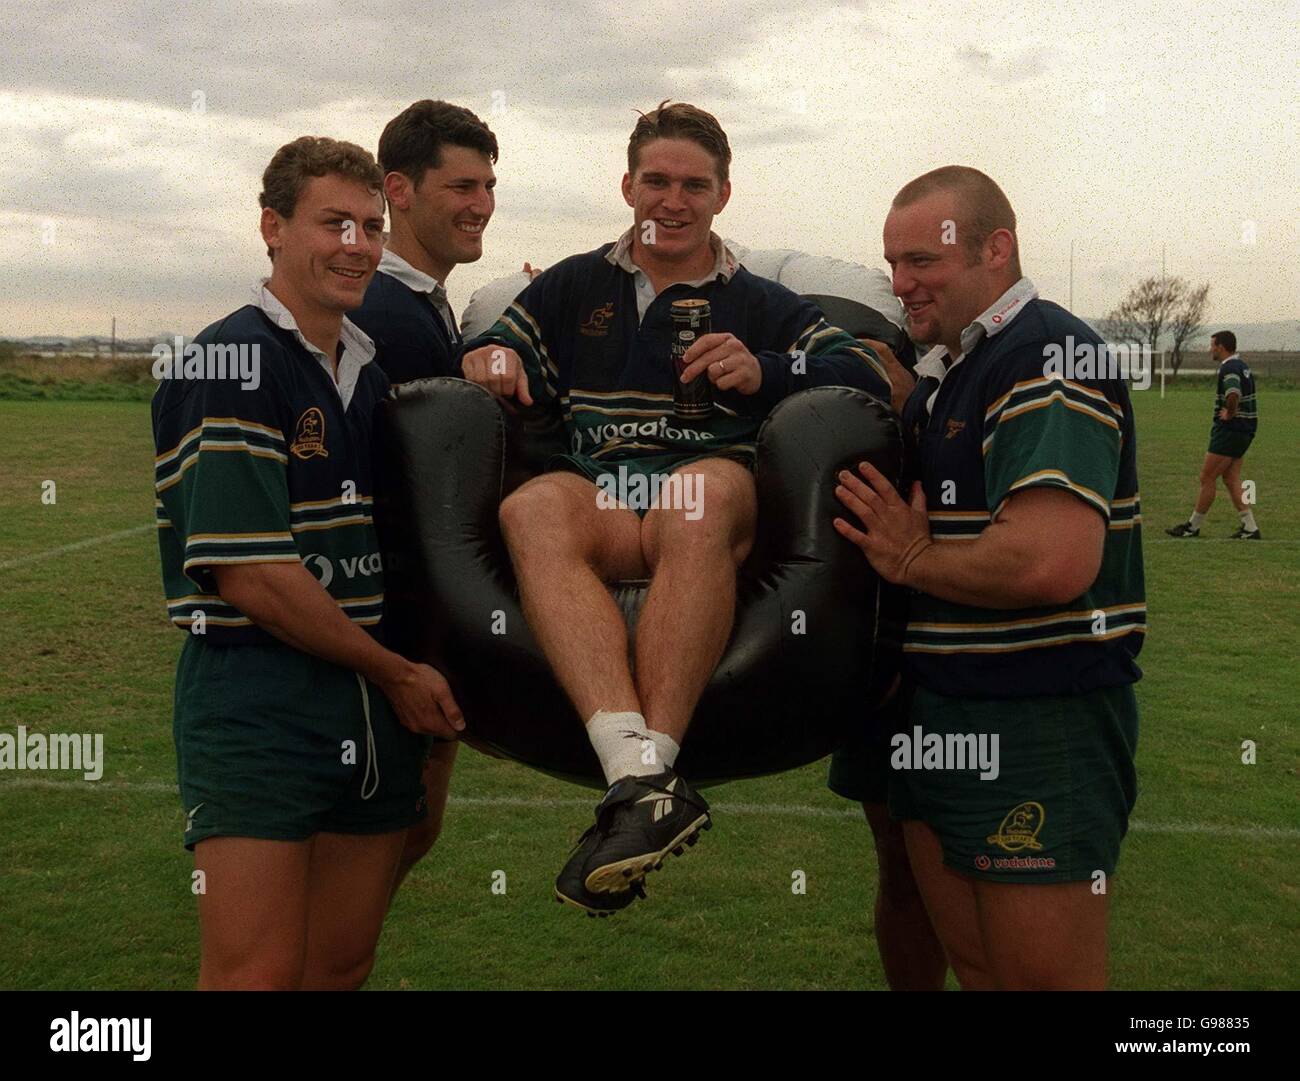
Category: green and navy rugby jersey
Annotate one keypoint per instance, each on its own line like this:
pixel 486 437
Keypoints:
pixel 995 422
pixel 406 314
pixel 1235 374
pixel 606 369
pixel 278 473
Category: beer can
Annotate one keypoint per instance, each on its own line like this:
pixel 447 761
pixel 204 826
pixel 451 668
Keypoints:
pixel 691 319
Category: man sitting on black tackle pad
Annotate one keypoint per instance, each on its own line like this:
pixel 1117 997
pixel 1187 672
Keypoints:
pixel 643 492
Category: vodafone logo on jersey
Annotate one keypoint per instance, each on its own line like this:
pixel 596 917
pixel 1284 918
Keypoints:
pixel 1023 293
pixel 323 567
pixel 998 317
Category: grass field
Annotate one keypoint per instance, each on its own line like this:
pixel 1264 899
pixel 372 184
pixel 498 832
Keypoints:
pixel 95 885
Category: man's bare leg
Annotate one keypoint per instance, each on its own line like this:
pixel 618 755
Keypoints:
pixel 910 951
pixel 1049 937
pixel 1232 481
pixel 691 603
pixel 1001 936
pixel 950 901
pixel 252 913
pixel 422 837
pixel 350 880
pixel 1214 466
pixel 565 548
pixel 643 816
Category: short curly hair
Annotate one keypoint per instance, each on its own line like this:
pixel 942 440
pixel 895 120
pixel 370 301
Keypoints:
pixel 681 121
pixel 412 141
pixel 308 156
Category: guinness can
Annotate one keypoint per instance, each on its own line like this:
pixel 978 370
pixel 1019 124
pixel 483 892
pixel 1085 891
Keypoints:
pixel 691 320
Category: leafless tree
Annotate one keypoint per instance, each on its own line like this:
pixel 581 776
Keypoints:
pixel 1187 321
pixel 1156 306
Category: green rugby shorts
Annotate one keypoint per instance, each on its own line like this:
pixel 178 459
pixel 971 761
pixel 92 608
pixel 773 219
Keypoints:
pixel 648 466
pixel 273 743
pixel 1229 443
pixel 860 769
pixel 1065 786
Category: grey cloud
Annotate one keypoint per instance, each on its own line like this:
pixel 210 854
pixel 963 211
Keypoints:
pixel 769 134
pixel 261 60
pixel 972 59
pixel 1007 69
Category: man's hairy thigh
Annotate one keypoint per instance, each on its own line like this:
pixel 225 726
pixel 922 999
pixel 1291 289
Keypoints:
pixel 711 501
pixel 557 517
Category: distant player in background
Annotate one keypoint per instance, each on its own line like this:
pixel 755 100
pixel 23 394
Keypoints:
pixel 1235 419
pixel 437 163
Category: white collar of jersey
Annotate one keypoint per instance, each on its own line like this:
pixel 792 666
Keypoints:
pixel 418 281
pixel 1235 356
pixel 724 263
pixel 931 365
pixel 998 314
pixel 992 319
pixel 358 349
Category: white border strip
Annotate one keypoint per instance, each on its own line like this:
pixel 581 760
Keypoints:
pixel 1191 542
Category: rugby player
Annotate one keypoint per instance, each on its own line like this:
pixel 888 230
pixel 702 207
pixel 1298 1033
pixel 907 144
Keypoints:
pixel 588 341
pixel 1022 543
pixel 297 732
pixel 1236 416
pixel 437 163
pixel 910 952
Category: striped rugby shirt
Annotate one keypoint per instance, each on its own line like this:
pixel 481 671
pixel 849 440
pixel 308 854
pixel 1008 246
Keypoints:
pixel 1234 374
pixel 591 354
pixel 277 474
pixel 993 424
pixel 406 314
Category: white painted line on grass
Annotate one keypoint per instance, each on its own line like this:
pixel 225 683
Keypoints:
pixel 8 564
pixel 116 786
pixel 36 557
pixel 779 810
pixel 1191 542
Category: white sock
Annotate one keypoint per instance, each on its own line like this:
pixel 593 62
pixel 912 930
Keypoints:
pixel 666 748
pixel 1248 520
pixel 623 744
pixel 1196 519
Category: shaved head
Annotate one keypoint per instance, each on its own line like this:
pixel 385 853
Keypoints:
pixel 982 207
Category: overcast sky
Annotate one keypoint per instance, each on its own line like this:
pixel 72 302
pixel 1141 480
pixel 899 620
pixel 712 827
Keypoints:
pixel 135 134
